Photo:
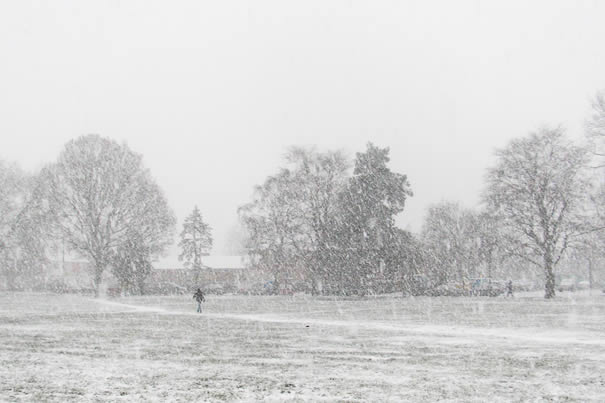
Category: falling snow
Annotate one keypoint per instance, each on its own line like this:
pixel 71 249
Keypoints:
pixel 320 201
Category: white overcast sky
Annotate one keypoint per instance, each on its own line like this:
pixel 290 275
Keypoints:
pixel 213 92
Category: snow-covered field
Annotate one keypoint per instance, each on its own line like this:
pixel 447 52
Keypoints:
pixel 62 348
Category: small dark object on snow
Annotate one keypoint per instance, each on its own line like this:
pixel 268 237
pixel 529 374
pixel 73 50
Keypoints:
pixel 199 298
pixel 509 288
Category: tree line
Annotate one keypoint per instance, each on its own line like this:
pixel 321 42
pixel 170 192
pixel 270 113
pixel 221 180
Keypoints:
pixel 99 202
pixel 321 223
pixel 318 227
pixel 313 224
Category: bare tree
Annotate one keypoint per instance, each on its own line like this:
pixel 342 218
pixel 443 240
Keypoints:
pixel 538 191
pixel 595 126
pixel 290 222
pixel 274 222
pixel 452 235
pixel 490 242
pixel 319 178
pixel 11 201
pixel 22 246
pixel 99 196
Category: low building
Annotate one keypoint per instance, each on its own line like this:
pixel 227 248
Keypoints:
pixel 169 275
pixel 73 273
pixel 218 273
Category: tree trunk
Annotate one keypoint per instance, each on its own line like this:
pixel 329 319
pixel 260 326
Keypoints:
pixel 98 278
pixel 141 284
pixel 196 277
pixel 11 280
pixel 590 277
pixel 549 288
pixel 489 264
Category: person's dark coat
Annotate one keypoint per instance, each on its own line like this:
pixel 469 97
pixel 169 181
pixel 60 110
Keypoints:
pixel 199 296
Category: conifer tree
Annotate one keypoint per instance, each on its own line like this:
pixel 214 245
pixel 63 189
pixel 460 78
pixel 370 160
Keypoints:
pixel 196 241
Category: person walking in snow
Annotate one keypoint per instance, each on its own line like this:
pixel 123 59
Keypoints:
pixel 509 288
pixel 199 298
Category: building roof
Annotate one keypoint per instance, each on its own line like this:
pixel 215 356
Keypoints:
pixel 212 262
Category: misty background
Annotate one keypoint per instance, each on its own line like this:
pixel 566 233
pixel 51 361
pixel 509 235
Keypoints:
pixel 213 94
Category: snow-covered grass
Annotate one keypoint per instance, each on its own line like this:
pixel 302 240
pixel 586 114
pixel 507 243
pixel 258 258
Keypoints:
pixel 61 348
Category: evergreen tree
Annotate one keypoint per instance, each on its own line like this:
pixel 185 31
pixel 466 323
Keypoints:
pixel 196 241
pixel 367 233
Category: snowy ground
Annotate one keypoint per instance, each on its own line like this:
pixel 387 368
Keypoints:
pixel 58 348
